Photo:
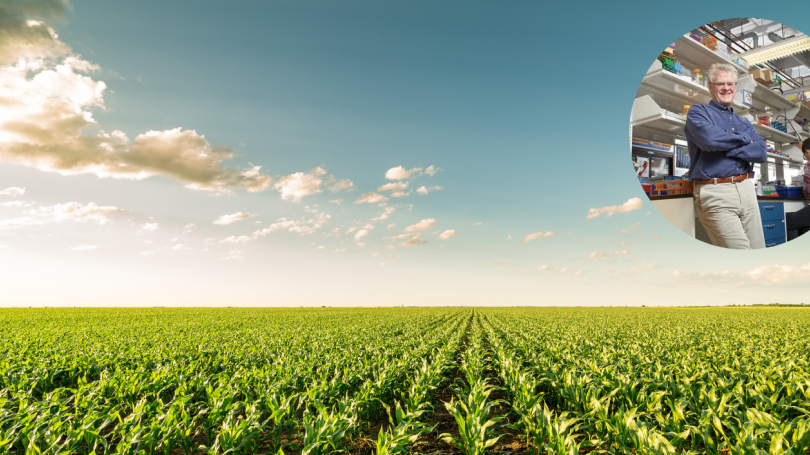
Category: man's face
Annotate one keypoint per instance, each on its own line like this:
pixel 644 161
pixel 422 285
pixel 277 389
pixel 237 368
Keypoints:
pixel 723 88
pixel 807 154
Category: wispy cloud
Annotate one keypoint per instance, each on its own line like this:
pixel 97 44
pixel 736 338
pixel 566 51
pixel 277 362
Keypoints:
pixel 631 204
pixel 422 225
pixel 536 235
pixel 225 220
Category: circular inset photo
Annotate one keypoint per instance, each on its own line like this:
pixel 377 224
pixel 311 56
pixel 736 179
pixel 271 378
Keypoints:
pixel 720 133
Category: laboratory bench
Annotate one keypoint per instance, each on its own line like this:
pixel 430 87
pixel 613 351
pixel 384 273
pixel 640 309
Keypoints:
pixel 680 211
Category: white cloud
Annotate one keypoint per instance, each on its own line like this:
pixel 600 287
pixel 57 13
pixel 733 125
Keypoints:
pixel 631 204
pixel 368 226
pixel 766 275
pixel 339 250
pixel 400 194
pixel 432 170
pixel 360 234
pixel 370 198
pixel 422 225
pixel 543 268
pixel 233 255
pixel 13 191
pixel 179 247
pixel 391 225
pixel 389 247
pixel 387 211
pixel 632 227
pixel 478 224
pixel 339 185
pixel 394 186
pixel 48 106
pixel 189 228
pixel 317 171
pixel 597 254
pixel 78 212
pixel 295 186
pixel 147 253
pixel 83 247
pixel 536 235
pixel 413 241
pixel 228 219
pixel 447 234
pixel 625 243
pixel 426 190
pixel 336 201
pixel 400 173
pixel 621 253
pixel 150 227
pixel 300 226
pixel 14 223
pixel 13 204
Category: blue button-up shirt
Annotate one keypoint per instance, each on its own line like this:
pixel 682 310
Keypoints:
pixel 721 143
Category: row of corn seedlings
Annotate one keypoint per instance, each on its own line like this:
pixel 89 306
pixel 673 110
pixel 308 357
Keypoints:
pixel 471 407
pixel 254 380
pixel 640 385
pixel 408 422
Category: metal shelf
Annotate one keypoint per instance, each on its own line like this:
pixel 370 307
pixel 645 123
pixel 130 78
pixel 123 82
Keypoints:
pixel 764 95
pixel 783 158
pixel 700 56
pixel 772 134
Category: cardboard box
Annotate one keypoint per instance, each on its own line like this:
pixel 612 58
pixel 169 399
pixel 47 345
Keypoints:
pixel 762 75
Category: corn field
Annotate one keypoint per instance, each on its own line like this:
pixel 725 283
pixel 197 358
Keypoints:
pixel 405 380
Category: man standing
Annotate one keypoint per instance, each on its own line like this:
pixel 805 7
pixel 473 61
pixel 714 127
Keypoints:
pixel 722 149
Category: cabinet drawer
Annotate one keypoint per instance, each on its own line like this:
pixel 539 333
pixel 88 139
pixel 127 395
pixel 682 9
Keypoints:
pixel 774 242
pixel 773 229
pixel 772 210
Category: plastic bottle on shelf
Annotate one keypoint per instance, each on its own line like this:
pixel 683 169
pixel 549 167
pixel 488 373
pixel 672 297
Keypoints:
pixel 685 110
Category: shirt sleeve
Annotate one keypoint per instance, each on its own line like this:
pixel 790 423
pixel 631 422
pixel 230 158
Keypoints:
pixel 755 152
pixel 709 137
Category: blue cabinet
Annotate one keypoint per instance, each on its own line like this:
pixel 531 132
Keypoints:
pixel 773 223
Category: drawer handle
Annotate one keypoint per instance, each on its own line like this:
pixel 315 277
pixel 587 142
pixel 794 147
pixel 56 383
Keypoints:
pixel 768 207
pixel 770 226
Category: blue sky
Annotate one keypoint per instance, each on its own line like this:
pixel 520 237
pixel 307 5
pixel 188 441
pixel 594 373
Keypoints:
pixel 521 110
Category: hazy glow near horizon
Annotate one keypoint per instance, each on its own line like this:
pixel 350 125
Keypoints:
pixel 299 154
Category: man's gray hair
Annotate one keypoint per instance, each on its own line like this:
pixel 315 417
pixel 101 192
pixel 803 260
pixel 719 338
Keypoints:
pixel 719 68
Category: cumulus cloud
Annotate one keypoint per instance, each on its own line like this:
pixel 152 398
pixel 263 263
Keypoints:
pixel 46 110
pixel 295 186
pixel 631 204
pixel 766 275
pixel 597 254
pixel 228 219
pixel 189 228
pixel 150 227
pixel 447 234
pixel 301 226
pixel 415 240
pixel 432 170
pixel 400 193
pixel 14 204
pixel 394 186
pixel 426 190
pixel 338 185
pixel 179 247
pixel 536 235
pixel 370 198
pixel 336 201
pixel 360 234
pixel 78 212
pixel 621 253
pixel 387 211
pixel 13 191
pixel 422 225
pixel 543 268
pixel 400 173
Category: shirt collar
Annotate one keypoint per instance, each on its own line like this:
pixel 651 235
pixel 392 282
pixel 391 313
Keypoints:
pixel 717 105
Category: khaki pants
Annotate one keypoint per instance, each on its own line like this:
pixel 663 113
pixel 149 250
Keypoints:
pixel 730 214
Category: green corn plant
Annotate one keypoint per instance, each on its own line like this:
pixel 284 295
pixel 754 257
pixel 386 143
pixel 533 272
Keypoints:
pixel 397 439
pixel 471 413
pixel 325 430
pixel 558 430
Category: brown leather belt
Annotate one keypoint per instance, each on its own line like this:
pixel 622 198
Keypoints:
pixel 734 179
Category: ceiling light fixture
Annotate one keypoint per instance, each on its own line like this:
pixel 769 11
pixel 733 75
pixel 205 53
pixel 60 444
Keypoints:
pixel 785 48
